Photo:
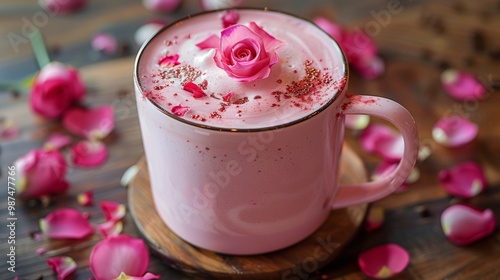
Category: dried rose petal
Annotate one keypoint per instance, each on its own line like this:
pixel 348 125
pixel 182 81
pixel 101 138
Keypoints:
pixel 94 123
pixel 116 254
pixel 146 31
pixel 375 218
pixel 162 5
pixel 463 224
pixel 113 211
pixel 66 223
pixel 9 129
pixel 383 261
pixel 105 43
pixel 454 131
pixel 57 141
pixel 86 198
pixel 194 89
pixel 89 153
pixel 219 4
pixel 110 227
pixel 357 122
pixel 228 96
pixel 169 61
pixel 230 17
pixel 465 180
pixel 180 110
pixel 383 141
pixel 462 85
pixel 147 276
pixel 62 266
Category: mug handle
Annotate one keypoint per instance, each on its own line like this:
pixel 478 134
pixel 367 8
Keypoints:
pixel 348 195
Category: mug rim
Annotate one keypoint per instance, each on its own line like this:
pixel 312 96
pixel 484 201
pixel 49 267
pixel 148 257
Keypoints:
pixel 137 82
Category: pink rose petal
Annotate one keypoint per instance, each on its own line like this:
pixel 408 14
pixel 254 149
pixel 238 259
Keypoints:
pixel 463 224
pixel 41 173
pixel 116 254
pixel 86 198
pixel 454 131
pixel 89 153
pixel 230 17
pixel 334 30
pixel 113 211
pixel 66 223
pixel 462 85
pixel 147 276
pixel 195 90
pixel 208 5
pixel 383 141
pixel 57 141
pixel 9 129
pixel 375 218
pixel 169 61
pixel 62 266
pixel 211 42
pixel 146 31
pixel 110 227
pixel 465 180
pixel 162 5
pixel 180 110
pixel 105 43
pixel 384 261
pixel 94 123
pixel 63 7
pixel 228 96
pixel 357 122
pixel 41 251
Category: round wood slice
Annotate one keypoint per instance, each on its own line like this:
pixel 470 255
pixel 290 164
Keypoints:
pixel 308 255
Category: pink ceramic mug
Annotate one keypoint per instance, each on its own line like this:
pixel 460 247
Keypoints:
pixel 256 190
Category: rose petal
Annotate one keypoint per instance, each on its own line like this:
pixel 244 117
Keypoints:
pixel 464 180
pixel 86 198
pixel 383 261
pixel 230 17
pixel 128 175
pixel 113 211
pixel 89 153
pixel 228 96
pixel 9 129
pixel 57 141
pixel 211 42
pixel 463 224
pixel 219 4
pixel 105 43
pixel 62 266
pixel 110 227
pixel 383 141
pixel 94 123
pixel 65 223
pixel 146 31
pixel 195 90
pixel 41 173
pixel 147 276
pixel 63 7
pixel 357 122
pixel 462 85
pixel 180 110
pixel 333 29
pixel 271 43
pixel 41 251
pixel 454 131
pixel 169 61
pixel 375 218
pixel 116 254
pixel 162 5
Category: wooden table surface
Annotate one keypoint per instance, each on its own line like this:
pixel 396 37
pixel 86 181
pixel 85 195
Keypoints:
pixel 416 44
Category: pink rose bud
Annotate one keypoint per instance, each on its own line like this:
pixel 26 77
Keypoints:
pixel 162 5
pixel 245 53
pixel 41 173
pixel 63 6
pixel 56 88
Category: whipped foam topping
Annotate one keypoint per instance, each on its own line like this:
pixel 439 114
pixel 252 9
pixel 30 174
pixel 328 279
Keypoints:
pixel 309 73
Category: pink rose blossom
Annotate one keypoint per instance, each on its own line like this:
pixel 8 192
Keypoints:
pixel 119 254
pixel 245 53
pixel 56 88
pixel 63 6
pixel 41 173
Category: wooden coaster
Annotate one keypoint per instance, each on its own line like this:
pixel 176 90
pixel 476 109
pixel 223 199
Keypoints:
pixel 302 258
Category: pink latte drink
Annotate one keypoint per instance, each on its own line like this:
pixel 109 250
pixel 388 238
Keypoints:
pixel 241 160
